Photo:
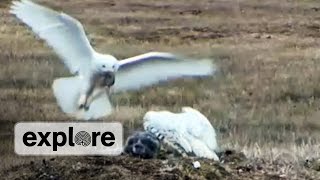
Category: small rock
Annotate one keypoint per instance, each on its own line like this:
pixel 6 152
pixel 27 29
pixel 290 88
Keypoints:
pixel 196 164
pixel 257 36
pixel 282 176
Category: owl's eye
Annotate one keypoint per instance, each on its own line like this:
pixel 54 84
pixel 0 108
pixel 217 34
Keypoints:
pixel 114 66
pixel 103 66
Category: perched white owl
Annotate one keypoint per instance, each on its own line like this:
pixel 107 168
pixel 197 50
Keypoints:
pixel 188 132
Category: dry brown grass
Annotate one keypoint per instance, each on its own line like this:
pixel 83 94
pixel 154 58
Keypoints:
pixel 264 100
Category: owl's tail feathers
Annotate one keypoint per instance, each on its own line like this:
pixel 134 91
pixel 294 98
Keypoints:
pixel 67 93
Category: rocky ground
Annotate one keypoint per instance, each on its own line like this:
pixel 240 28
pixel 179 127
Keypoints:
pixel 232 166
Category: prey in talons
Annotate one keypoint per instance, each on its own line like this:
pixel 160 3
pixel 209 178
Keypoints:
pixel 101 83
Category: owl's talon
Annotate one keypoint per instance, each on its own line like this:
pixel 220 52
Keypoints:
pixel 82 102
pixel 81 106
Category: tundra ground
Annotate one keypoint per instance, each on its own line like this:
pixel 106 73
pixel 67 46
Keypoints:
pixel 264 100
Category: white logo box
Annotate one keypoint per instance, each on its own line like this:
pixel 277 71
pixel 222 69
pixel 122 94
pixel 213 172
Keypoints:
pixel 61 131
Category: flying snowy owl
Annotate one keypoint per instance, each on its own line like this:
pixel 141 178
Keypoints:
pixel 86 94
pixel 188 132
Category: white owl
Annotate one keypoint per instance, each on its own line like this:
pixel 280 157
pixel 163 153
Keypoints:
pixel 85 95
pixel 188 132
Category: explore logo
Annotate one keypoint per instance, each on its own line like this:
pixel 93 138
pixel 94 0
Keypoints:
pixel 60 138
